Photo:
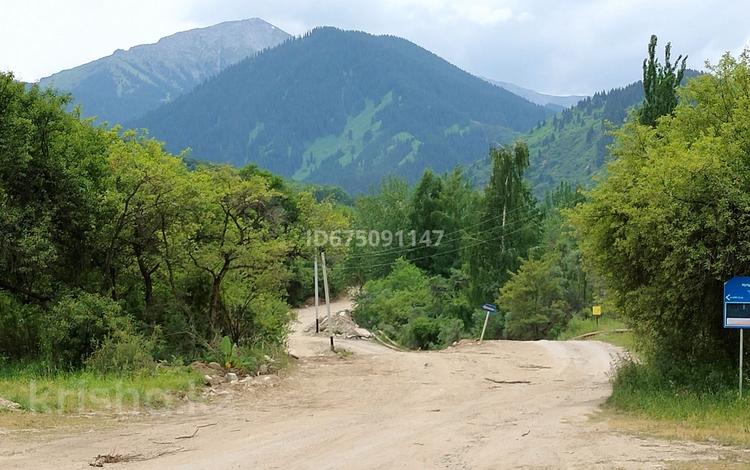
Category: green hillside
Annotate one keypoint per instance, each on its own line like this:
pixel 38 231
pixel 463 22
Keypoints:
pixel 343 108
pixel 571 145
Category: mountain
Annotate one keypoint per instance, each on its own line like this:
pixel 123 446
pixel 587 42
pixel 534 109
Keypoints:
pixel 553 102
pixel 344 108
pixel 572 144
pixel 127 84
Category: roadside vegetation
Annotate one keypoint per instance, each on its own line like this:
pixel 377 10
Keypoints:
pixel 120 263
pixel 609 330
pixel 696 404
pixel 82 391
pixel 665 229
pixel 496 245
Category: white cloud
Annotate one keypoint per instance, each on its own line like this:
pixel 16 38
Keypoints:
pixel 482 13
pixel 38 38
pixel 561 47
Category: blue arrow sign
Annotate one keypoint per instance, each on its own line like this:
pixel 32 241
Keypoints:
pixel 489 308
pixel 737 303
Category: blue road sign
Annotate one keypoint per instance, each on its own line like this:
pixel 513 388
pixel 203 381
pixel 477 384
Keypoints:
pixel 737 303
pixel 492 308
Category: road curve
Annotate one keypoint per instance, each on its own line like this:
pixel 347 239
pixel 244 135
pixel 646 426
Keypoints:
pixel 499 404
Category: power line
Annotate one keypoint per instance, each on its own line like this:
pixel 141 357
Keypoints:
pixel 479 242
pixel 449 240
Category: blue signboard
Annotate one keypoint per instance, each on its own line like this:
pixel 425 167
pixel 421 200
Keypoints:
pixel 492 308
pixel 737 303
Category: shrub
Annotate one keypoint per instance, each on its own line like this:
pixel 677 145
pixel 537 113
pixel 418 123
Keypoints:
pixel 248 359
pixel 123 352
pixel 450 331
pixel 262 319
pixel 533 300
pixel 421 333
pixel 20 327
pixel 78 325
pixel 422 312
pixel 394 300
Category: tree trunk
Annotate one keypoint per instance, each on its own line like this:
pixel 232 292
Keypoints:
pixel 216 305
pixel 148 283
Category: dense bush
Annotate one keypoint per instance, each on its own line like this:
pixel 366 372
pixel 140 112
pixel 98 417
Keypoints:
pixel 20 328
pixel 421 333
pixel 78 325
pixel 123 352
pixel 413 307
pixel 534 300
pixel 669 224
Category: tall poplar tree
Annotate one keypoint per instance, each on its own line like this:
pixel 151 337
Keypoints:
pixel 660 84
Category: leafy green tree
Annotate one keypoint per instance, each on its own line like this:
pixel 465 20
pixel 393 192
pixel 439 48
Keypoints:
pixel 509 226
pixel 426 217
pixel 389 303
pixel 669 223
pixel 559 239
pixel 533 300
pixel 660 84
pixel 388 210
pixel 152 194
pixel 52 172
pixel 458 205
pixel 411 307
pixel 238 237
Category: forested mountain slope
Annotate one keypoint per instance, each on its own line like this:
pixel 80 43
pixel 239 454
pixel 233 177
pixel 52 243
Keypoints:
pixel 572 145
pixel 345 108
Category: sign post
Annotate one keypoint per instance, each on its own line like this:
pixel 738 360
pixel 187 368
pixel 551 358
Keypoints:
pixel 317 320
pixel 737 311
pixel 489 308
pixel 596 310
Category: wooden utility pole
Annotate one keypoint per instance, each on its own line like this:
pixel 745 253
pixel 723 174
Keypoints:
pixel 328 299
pixel 317 297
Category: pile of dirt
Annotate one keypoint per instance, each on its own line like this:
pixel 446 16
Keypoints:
pixel 342 323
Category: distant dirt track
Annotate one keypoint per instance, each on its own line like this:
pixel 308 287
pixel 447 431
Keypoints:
pixel 380 408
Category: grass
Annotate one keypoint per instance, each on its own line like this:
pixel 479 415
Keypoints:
pixel 85 391
pixel 644 400
pixel 580 326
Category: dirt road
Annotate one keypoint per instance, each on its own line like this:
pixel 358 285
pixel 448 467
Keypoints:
pixel 500 404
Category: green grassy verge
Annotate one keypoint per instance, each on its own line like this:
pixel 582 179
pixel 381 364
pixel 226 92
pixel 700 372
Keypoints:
pixel 580 326
pixel 84 391
pixel 643 400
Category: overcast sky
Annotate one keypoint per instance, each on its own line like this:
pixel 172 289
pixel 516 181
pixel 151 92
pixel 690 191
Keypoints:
pixel 562 47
